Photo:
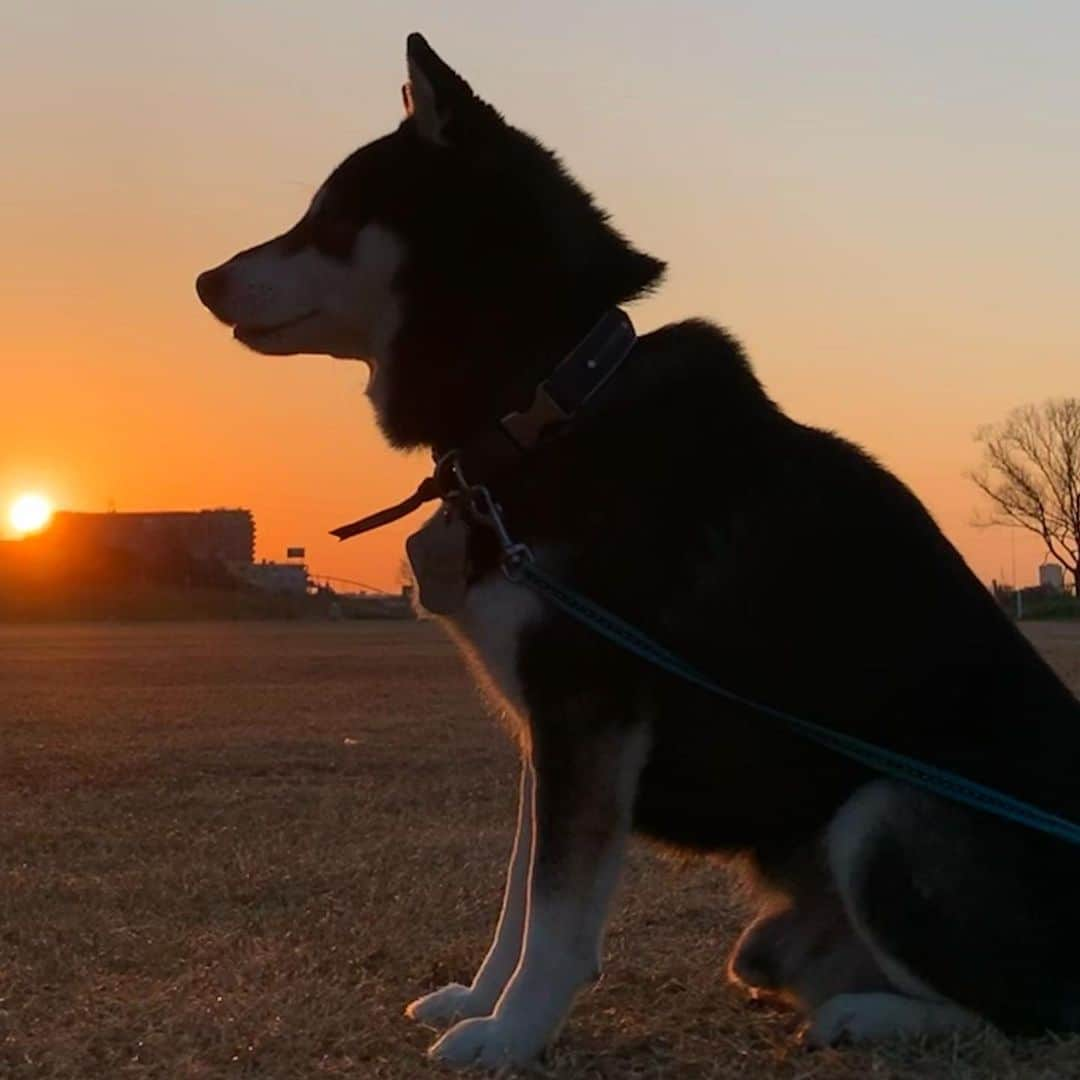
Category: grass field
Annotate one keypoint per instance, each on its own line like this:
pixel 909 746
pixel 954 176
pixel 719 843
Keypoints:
pixel 238 849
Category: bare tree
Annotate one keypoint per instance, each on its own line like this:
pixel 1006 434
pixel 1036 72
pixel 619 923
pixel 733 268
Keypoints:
pixel 1031 473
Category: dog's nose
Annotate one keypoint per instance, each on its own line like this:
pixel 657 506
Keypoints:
pixel 210 284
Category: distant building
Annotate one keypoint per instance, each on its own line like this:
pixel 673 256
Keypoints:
pixel 1052 577
pixel 289 578
pixel 199 548
pixel 224 536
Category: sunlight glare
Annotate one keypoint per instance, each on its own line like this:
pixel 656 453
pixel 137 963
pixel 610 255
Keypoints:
pixel 30 513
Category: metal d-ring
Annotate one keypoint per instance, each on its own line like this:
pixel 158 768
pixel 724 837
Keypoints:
pixel 449 478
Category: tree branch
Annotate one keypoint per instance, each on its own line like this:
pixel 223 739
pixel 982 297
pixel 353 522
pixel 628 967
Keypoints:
pixel 1031 474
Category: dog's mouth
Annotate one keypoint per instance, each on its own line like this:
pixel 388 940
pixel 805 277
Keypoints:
pixel 252 331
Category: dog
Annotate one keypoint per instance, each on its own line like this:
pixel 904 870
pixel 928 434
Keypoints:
pixel 459 259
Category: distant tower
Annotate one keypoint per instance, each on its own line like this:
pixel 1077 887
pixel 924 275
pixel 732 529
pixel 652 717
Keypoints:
pixel 1052 577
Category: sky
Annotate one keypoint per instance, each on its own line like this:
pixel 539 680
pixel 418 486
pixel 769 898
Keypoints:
pixel 878 200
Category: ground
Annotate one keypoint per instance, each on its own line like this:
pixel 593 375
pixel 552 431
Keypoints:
pixel 238 849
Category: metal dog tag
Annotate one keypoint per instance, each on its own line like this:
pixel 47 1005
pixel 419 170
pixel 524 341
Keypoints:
pixel 438 554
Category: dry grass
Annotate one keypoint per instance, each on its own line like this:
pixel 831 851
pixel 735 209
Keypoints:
pixel 239 849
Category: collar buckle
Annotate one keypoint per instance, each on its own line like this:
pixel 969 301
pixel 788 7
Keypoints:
pixel 525 428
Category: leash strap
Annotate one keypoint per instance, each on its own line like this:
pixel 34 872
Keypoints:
pixel 428 490
pixel 937 781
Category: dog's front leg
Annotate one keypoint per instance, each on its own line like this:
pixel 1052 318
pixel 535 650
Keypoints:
pixel 583 800
pixel 457 1002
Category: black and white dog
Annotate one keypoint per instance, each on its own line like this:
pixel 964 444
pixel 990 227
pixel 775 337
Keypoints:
pixel 459 259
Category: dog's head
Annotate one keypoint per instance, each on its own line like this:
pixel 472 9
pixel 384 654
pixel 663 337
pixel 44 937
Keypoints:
pixel 449 255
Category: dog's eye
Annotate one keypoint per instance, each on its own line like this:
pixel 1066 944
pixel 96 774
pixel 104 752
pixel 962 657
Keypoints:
pixel 331 234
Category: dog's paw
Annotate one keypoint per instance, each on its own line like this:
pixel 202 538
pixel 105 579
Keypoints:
pixel 488 1042
pixel 835 1022
pixel 862 1017
pixel 442 1007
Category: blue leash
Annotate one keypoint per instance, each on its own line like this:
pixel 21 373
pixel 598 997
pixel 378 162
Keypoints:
pixel 520 567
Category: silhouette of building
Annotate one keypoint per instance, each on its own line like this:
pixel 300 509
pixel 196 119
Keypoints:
pixel 186 548
pixel 1052 577
pixel 274 577
pixel 218 536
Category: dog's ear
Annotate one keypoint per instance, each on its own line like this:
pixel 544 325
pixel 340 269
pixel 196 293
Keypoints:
pixel 435 96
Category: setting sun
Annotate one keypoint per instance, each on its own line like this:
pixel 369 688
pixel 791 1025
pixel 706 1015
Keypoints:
pixel 29 513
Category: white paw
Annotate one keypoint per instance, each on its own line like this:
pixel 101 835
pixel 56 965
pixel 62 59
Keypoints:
pixel 488 1041
pixel 442 1007
pixel 861 1017
pixel 834 1022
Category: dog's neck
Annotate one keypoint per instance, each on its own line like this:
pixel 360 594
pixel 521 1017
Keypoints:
pixel 441 388
pixel 466 468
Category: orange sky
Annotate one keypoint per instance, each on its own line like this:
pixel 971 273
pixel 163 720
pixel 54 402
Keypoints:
pixel 880 203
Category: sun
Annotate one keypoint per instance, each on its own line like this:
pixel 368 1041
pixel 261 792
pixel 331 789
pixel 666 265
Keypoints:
pixel 30 513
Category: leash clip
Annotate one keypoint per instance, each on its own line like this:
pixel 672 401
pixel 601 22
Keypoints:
pixel 485 510
pixel 479 505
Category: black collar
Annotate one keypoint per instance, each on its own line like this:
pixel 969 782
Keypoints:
pixel 498 448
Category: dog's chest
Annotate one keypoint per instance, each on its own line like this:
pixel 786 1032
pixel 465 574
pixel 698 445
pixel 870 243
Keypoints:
pixel 488 626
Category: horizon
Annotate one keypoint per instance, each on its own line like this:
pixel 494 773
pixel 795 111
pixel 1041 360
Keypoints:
pixel 879 206
pixel 19 534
